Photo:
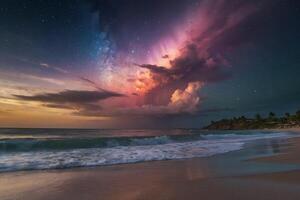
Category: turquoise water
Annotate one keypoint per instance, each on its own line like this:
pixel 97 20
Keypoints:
pixel 30 149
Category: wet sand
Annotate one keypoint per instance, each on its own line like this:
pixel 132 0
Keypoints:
pixel 229 176
pixel 290 156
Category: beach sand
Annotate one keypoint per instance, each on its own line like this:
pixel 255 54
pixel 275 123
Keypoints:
pixel 229 176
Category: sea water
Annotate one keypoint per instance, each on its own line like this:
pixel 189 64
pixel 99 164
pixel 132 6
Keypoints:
pixel 32 149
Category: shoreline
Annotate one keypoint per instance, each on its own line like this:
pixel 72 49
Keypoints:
pixel 193 178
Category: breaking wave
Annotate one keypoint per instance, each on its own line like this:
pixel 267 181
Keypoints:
pixel 31 154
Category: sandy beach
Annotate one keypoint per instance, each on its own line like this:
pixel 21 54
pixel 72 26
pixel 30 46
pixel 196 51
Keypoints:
pixel 244 174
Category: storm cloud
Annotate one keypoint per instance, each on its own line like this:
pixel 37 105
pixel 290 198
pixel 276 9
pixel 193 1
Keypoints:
pixel 70 96
pixel 202 55
pixel 79 101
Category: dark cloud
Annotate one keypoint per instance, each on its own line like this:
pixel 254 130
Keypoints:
pixel 190 66
pixel 83 109
pixel 70 96
pixel 148 111
pixel 81 102
pixel 157 69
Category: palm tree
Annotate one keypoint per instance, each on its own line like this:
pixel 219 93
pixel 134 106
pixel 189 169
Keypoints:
pixel 271 116
pixel 298 115
pixel 258 117
pixel 287 115
pixel 243 118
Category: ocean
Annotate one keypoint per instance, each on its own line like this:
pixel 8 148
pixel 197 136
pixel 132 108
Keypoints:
pixel 37 149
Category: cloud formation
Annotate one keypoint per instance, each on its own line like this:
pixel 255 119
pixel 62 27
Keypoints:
pixel 77 100
pixel 70 96
pixel 200 55
pixel 186 100
pixel 176 45
pixel 182 101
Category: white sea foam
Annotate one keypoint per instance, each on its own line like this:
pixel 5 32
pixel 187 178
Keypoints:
pixel 211 145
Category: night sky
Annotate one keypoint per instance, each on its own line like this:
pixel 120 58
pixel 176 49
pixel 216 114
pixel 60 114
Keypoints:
pixel 146 63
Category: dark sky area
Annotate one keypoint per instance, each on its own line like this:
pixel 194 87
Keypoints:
pixel 147 63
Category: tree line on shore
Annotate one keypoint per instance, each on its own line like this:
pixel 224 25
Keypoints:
pixel 258 122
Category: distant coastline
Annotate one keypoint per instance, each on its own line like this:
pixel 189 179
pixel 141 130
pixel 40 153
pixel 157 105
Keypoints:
pixel 271 122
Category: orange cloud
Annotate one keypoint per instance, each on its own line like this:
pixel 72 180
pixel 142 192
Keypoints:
pixel 186 100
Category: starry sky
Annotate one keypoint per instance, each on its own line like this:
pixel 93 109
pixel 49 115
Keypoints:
pixel 146 64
